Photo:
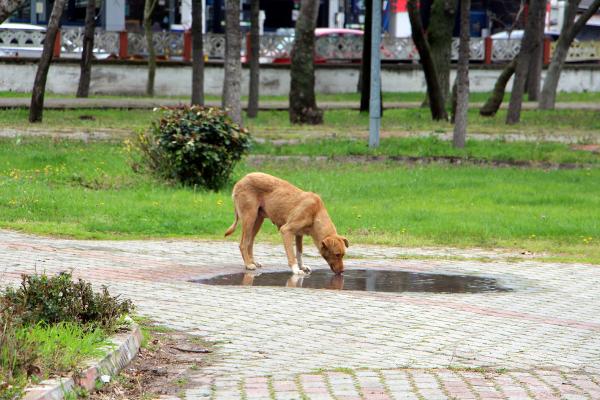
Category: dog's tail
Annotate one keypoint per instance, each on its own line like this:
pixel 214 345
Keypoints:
pixel 233 226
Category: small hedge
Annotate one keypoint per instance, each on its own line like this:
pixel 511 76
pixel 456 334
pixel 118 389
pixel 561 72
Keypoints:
pixel 193 145
pixel 51 300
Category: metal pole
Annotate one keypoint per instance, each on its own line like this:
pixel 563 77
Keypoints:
pixel 375 99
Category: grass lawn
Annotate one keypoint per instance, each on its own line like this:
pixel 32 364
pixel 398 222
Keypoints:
pixel 568 97
pixel 495 150
pixel 584 124
pixel 84 190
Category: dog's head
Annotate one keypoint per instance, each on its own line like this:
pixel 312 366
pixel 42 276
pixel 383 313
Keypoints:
pixel 333 248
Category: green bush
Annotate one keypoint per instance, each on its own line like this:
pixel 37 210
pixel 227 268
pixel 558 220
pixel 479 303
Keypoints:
pixel 58 299
pixel 195 146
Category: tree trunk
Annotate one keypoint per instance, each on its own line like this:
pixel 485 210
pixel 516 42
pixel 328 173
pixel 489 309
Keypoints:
pixel 36 109
pixel 568 33
pixel 303 104
pixel 7 7
pixel 534 74
pixel 254 59
pixel 365 65
pixel 462 78
pixel 439 37
pixel 197 54
pixel 88 47
pixel 149 6
pixel 537 10
pixel 491 106
pixel 233 64
pixel 434 91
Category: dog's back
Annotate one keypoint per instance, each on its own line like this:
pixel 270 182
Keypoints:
pixel 262 184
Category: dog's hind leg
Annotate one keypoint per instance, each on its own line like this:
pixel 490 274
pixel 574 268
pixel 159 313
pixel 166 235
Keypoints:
pixel 299 243
pixel 257 224
pixel 249 217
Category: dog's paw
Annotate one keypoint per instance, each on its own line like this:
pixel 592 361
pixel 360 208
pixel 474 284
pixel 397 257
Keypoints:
pixel 296 270
pixel 251 267
pixel 306 268
pixel 258 265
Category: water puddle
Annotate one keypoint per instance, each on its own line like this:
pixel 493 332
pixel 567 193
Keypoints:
pixel 369 280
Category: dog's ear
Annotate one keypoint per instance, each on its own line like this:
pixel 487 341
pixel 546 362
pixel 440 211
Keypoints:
pixel 327 242
pixel 346 242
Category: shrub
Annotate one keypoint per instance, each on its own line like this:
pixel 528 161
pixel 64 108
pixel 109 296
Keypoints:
pixel 58 299
pixel 195 146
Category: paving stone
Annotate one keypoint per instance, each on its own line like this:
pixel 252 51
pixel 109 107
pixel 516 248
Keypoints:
pixel 544 336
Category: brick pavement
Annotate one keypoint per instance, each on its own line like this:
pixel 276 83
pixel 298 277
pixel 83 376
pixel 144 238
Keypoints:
pixel 541 341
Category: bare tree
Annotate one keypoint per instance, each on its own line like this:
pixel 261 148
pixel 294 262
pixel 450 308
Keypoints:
pixel 36 109
pixel 434 91
pixel 233 64
pixel 197 54
pixel 7 7
pixel 569 30
pixel 462 78
pixel 537 10
pixel 254 55
pixel 491 106
pixel 439 37
pixel 365 63
pixel 303 103
pixel 149 6
pixel 88 50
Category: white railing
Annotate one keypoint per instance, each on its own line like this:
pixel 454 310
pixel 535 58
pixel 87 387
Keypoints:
pixel 177 46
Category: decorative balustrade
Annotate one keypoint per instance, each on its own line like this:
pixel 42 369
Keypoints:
pixel 177 45
pixel 21 38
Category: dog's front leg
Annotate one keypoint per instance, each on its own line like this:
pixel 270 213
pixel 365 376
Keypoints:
pixel 288 243
pixel 301 264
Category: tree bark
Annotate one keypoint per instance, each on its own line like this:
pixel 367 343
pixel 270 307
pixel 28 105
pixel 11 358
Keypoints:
pixel 365 65
pixel 534 74
pixel 254 59
pixel 149 6
pixel 197 54
pixel 462 78
pixel 36 109
pixel 434 91
pixel 439 37
pixel 568 33
pixel 537 10
pixel 7 7
pixel 233 64
pixel 88 50
pixel 303 104
pixel 491 106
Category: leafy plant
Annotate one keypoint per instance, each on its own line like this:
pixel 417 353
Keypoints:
pixel 17 355
pixel 58 299
pixel 195 146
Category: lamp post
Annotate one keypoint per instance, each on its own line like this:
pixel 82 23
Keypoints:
pixel 375 98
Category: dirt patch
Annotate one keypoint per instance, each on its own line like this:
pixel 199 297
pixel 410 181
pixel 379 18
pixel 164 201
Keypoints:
pixel 594 148
pixel 163 366
pixel 260 159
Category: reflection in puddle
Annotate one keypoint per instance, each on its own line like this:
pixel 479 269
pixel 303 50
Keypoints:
pixel 365 280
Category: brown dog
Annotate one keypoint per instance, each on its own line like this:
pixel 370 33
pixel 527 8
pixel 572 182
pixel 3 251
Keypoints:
pixel 296 213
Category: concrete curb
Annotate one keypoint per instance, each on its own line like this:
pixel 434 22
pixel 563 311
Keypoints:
pixel 126 346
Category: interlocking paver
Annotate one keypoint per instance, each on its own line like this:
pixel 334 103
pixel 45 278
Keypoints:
pixel 540 341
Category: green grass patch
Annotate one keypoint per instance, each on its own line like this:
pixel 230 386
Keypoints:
pixel 81 190
pixel 585 97
pixel 584 124
pixel 496 150
pixel 62 347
